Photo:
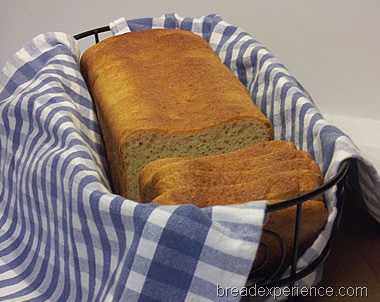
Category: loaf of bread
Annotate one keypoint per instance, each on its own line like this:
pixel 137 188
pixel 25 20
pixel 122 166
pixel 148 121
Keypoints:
pixel 165 93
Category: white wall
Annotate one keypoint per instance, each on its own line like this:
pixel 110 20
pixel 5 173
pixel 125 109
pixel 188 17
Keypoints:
pixel 331 46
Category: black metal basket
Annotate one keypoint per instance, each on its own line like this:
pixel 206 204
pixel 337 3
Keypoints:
pixel 276 278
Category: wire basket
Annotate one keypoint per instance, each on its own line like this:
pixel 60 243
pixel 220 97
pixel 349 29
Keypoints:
pixel 277 278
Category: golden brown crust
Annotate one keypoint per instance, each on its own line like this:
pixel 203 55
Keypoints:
pixel 223 165
pixel 183 63
pixel 268 152
pixel 161 81
pixel 199 178
pixel 255 150
pixel 281 186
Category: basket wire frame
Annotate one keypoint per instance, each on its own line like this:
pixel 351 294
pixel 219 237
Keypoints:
pixel 277 279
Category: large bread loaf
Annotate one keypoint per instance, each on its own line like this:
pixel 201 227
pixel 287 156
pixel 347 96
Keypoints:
pixel 165 93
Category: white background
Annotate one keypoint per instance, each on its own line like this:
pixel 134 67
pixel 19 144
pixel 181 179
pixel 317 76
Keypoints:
pixel 331 46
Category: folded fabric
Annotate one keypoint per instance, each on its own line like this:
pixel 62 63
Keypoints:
pixel 64 236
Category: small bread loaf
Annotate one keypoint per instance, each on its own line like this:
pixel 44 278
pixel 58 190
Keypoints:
pixel 165 93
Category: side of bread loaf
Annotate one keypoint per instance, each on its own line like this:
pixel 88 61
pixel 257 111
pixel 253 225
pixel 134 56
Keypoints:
pixel 165 93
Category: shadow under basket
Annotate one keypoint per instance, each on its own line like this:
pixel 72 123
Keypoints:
pixel 273 258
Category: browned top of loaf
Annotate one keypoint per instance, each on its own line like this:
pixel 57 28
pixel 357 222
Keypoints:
pixel 200 178
pixel 252 163
pixel 130 75
pixel 279 186
pixel 231 172
pixel 244 164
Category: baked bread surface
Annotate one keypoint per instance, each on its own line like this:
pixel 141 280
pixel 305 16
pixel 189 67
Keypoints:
pixel 281 186
pixel 199 178
pixel 261 159
pixel 165 93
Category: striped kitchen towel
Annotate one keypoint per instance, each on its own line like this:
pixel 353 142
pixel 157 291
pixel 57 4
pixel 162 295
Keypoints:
pixel 64 236
pixel 288 106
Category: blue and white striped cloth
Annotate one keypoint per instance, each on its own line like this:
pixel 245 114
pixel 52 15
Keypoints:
pixel 64 236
